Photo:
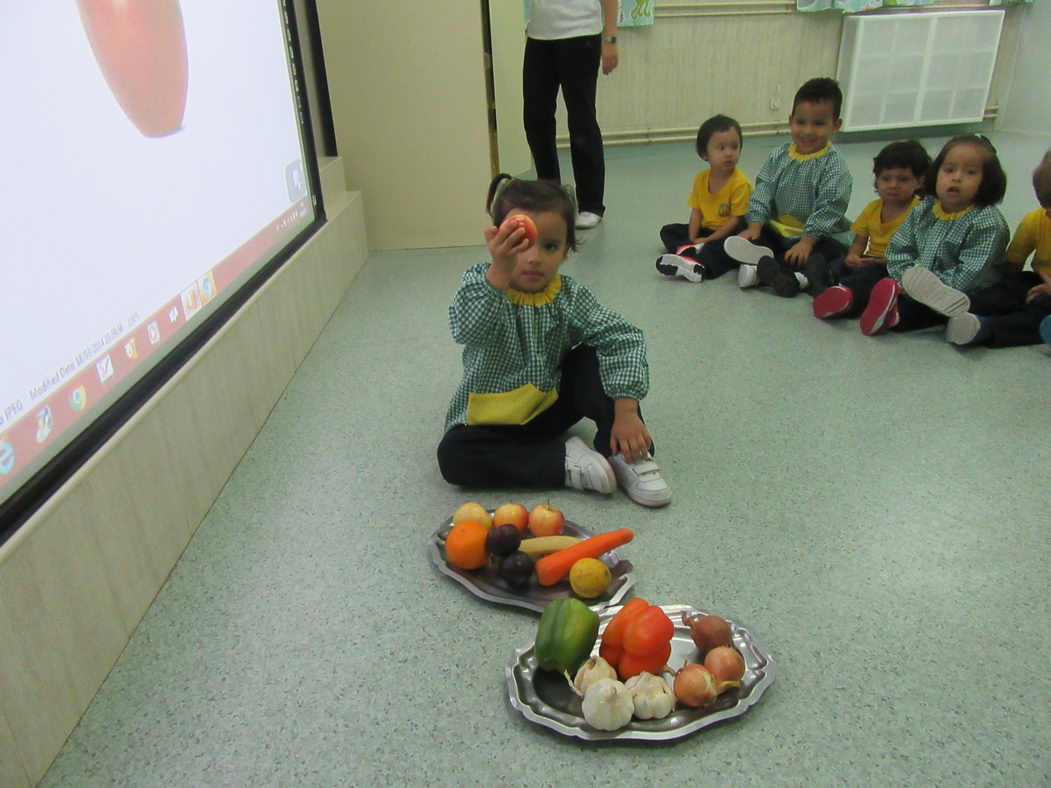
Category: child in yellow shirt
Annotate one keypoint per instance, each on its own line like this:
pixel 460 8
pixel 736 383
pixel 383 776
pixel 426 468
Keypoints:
pixel 717 205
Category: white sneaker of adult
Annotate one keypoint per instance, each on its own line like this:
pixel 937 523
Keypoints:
pixel 747 276
pixel 641 480
pixel 586 220
pixel 586 469
pixel 743 251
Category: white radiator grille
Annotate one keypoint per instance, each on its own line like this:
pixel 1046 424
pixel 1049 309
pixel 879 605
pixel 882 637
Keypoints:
pixel 917 69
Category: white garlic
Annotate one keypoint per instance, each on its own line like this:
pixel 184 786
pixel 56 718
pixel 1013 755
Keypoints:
pixel 591 671
pixel 607 705
pixel 651 696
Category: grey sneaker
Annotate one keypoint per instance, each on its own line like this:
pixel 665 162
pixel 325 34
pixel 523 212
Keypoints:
pixel 641 480
pixel 586 469
pixel 963 329
pixel 737 248
pixel 924 286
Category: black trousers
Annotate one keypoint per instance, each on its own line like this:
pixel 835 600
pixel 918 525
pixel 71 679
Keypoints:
pixel 532 454
pixel 829 248
pixel 1012 321
pixel 571 64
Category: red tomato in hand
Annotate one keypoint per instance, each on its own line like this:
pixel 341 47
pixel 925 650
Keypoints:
pixel 526 223
pixel 140 46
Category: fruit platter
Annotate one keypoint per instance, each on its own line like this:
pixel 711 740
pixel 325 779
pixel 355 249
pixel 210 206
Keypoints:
pixel 636 672
pixel 529 557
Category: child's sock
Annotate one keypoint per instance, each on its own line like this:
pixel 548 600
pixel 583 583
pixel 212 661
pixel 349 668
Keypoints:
pixel 834 301
pixel 804 283
pixel 746 276
pixel 968 329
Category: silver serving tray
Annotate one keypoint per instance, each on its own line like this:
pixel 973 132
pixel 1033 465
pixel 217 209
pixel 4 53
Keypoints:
pixel 485 583
pixel 545 697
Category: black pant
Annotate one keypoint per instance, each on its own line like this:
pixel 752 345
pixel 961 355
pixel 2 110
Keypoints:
pixel 570 64
pixel 532 454
pixel 718 260
pixel 1012 321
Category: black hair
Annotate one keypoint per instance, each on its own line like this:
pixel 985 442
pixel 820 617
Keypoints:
pixel 906 155
pixel 715 123
pixel 507 194
pixel 994 179
pixel 819 90
pixel 1042 181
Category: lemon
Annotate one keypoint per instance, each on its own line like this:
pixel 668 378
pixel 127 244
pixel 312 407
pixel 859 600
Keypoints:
pixel 589 578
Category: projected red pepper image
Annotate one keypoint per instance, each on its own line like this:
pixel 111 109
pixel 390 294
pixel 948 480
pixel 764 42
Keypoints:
pixel 140 46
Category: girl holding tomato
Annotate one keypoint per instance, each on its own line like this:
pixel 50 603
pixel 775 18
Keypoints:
pixel 540 354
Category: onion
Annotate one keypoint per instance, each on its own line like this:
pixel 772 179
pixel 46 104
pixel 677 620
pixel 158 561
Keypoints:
pixel 695 686
pixel 708 632
pixel 725 663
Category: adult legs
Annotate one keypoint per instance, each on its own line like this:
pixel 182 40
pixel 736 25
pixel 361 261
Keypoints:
pixel 540 81
pixel 578 66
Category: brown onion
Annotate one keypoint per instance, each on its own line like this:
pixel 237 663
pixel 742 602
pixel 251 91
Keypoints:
pixel 708 632
pixel 725 663
pixel 695 686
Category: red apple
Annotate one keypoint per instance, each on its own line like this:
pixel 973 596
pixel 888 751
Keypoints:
pixel 140 46
pixel 526 223
pixel 511 513
pixel 472 510
pixel 546 520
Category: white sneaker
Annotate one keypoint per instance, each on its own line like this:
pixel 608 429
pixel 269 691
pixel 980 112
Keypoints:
pixel 586 469
pixel 737 248
pixel 641 480
pixel 674 265
pixel 925 286
pixel 586 220
pixel 747 276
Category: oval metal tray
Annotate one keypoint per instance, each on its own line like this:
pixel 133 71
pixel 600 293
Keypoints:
pixel 545 698
pixel 486 583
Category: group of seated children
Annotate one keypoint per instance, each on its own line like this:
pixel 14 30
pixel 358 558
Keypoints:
pixel 540 353
pixel 932 249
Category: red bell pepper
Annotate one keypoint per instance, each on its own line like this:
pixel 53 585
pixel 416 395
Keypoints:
pixel 637 639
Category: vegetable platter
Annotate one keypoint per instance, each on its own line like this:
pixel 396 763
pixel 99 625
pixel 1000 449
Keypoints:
pixel 486 583
pixel 546 698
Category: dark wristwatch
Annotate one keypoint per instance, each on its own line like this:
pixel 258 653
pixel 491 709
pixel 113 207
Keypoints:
pixel 609 39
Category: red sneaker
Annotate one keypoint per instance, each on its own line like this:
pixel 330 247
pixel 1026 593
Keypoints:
pixel 834 301
pixel 882 310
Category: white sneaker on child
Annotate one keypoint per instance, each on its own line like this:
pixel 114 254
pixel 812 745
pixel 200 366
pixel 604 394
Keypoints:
pixel 641 480
pixel 586 469
pixel 925 286
pixel 675 265
pixel 737 248
pixel 586 220
pixel 747 276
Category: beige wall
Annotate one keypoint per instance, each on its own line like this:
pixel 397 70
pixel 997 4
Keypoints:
pixel 76 579
pixel 407 82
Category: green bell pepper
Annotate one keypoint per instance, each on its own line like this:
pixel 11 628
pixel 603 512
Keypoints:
pixel 565 636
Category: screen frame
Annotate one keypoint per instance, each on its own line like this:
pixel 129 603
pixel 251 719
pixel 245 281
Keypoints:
pixel 28 498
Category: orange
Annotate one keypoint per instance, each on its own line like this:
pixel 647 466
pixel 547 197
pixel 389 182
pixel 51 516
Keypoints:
pixel 465 544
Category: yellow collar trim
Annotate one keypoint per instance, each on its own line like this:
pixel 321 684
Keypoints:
pixel 795 154
pixel 941 213
pixel 545 296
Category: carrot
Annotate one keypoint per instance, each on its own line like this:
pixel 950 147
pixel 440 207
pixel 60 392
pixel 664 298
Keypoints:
pixel 552 568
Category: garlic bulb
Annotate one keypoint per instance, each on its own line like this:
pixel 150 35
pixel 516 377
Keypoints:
pixel 653 699
pixel 591 671
pixel 607 705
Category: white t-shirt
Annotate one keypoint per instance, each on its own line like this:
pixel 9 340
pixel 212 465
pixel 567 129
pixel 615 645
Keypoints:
pixel 550 19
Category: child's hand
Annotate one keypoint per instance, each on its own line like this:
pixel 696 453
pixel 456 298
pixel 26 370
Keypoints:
pixel 749 233
pixel 798 253
pixel 629 436
pixel 505 243
pixel 853 261
pixel 1037 291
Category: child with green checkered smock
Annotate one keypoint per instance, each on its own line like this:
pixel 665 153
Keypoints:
pixel 540 353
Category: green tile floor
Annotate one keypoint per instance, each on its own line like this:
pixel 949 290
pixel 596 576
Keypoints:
pixel 874 509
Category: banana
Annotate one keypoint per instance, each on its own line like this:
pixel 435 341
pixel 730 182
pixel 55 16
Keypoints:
pixel 543 545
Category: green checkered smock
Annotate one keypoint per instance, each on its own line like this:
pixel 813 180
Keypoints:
pixel 514 340
pixel 812 188
pixel 964 249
